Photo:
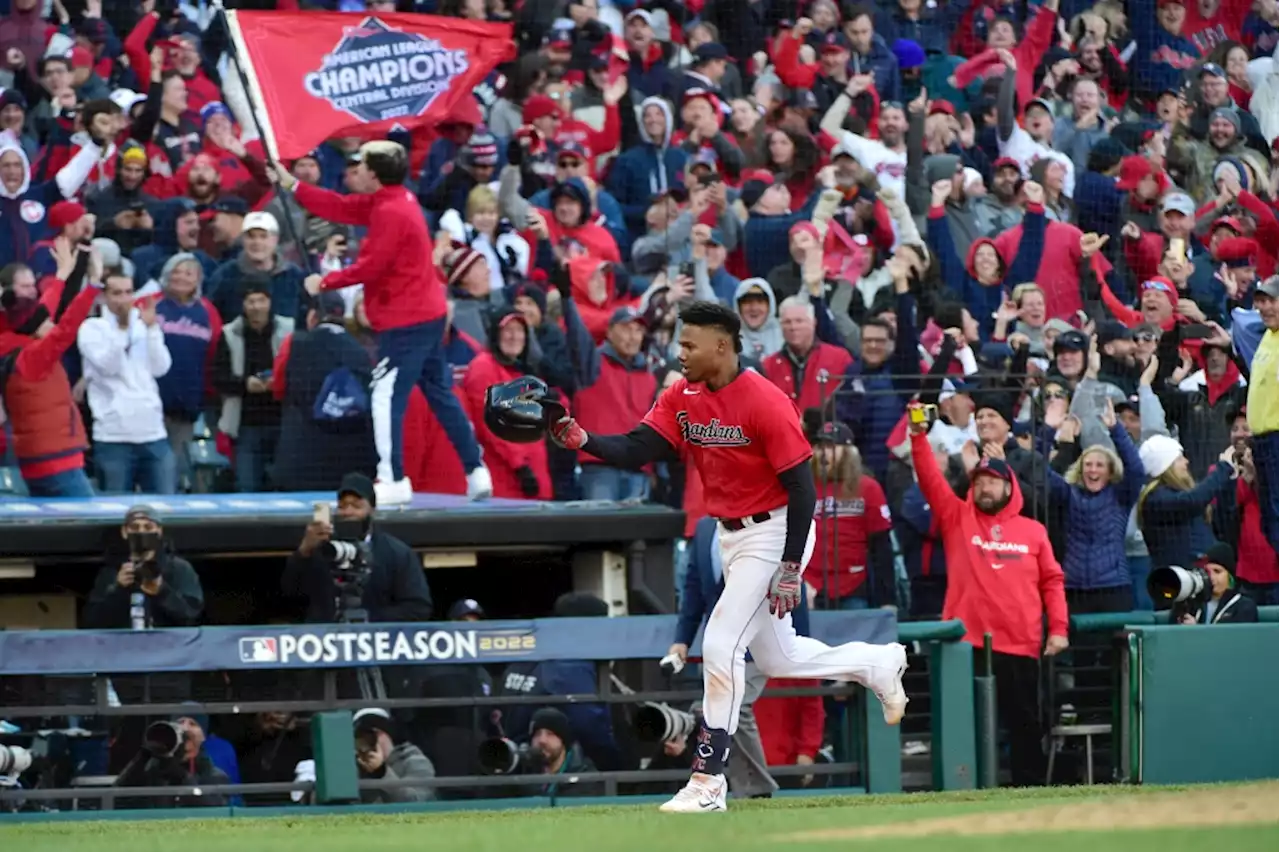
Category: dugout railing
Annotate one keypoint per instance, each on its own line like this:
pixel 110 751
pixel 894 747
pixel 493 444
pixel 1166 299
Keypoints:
pixel 56 674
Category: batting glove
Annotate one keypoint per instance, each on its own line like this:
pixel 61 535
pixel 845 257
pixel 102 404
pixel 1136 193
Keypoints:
pixel 785 589
pixel 568 434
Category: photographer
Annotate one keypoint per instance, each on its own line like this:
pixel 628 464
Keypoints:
pixel 147 587
pixel 379 756
pixel 552 750
pixel 172 756
pixel 394 587
pixel 1222 602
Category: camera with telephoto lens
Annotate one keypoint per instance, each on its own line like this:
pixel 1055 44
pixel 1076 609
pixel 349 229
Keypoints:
pixel 1173 584
pixel 348 556
pixel 14 760
pixel 143 548
pixel 501 756
pixel 163 739
pixel 662 723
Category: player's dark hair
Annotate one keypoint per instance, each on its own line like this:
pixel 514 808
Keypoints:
pixel 388 161
pixel 714 315
pixel 877 322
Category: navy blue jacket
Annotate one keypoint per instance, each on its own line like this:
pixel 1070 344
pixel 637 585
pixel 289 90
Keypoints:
pixel 702 589
pixel 766 239
pixel 871 403
pixel 1094 556
pixel 957 272
pixel 1173 523
pixel 915 531
pixel 1098 204
pixel 150 259
pixel 930 31
pixel 883 64
pixel 642 172
pixel 287 299
pixel 188 334
pixel 312 457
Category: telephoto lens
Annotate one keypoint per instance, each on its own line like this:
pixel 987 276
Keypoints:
pixel 500 756
pixel 338 551
pixel 14 760
pixel 163 739
pixel 662 723
pixel 1172 584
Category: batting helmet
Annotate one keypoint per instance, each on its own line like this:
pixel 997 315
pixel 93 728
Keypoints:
pixel 521 410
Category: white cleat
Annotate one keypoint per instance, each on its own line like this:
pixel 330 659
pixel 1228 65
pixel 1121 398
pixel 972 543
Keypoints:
pixel 479 484
pixel 704 794
pixel 886 683
pixel 396 492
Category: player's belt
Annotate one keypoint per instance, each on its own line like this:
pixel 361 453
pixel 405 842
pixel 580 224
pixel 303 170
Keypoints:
pixel 738 524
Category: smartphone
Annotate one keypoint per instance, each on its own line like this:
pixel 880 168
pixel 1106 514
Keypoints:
pixel 1195 331
pixel 686 269
pixel 708 179
pixel 922 413
pixel 320 513
pixel 1178 248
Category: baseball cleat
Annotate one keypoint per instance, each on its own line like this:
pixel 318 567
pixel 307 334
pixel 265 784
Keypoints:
pixel 703 794
pixel 887 685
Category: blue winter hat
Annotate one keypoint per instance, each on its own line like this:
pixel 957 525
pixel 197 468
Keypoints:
pixel 211 109
pixel 909 53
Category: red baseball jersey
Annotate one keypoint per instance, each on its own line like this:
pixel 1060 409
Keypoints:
pixel 839 562
pixel 739 438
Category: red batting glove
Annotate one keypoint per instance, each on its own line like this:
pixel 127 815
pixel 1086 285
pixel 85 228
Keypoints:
pixel 568 434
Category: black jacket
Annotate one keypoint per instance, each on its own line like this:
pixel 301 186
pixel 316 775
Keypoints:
pixel 147 771
pixel 1235 607
pixel 395 591
pixel 178 604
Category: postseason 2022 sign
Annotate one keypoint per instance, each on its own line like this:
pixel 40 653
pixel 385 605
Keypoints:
pixel 306 646
pixel 318 75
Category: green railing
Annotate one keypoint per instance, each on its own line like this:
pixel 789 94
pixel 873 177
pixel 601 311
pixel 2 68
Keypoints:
pixel 951 690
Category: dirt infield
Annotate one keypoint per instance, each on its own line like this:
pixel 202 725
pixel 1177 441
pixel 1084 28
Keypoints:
pixel 1256 803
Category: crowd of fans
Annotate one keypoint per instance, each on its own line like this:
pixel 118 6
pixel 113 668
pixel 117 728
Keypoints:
pixel 1055 221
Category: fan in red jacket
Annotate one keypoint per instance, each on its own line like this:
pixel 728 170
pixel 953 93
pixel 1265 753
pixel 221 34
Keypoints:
pixel 48 434
pixel 596 294
pixel 790 728
pixel 806 369
pixel 1059 272
pixel 1002 35
pixel 1002 580
pixel 518 470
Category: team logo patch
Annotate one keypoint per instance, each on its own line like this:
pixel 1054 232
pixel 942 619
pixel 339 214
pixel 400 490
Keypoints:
pixel 712 434
pixel 376 73
pixel 31 211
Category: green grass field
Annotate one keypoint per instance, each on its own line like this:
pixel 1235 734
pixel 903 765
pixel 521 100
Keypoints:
pixel 1239 818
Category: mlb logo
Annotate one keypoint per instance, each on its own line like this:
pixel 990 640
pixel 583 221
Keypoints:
pixel 261 649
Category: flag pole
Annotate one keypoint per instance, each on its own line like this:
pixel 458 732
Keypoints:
pixel 262 122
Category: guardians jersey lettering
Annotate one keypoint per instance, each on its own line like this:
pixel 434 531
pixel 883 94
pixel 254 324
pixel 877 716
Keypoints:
pixel 739 438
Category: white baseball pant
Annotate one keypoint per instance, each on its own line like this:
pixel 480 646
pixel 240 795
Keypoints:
pixel 741 620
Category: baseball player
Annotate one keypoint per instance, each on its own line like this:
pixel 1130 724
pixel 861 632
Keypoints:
pixel 744 435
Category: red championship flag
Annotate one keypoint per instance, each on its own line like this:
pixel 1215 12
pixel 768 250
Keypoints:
pixel 316 75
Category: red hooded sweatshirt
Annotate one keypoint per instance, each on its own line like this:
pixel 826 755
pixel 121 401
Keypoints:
pixel 1059 272
pixel 1001 574
pixel 596 314
pixel 503 458
pixel 402 286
